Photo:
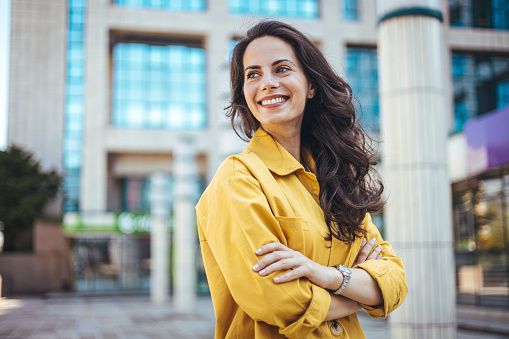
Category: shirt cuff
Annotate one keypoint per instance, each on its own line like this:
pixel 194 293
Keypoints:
pixel 314 316
pixel 382 276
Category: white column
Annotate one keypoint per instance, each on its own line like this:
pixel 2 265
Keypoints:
pixel 185 220
pixel 414 123
pixel 159 239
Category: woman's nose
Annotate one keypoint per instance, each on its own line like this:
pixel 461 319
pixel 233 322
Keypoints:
pixel 269 82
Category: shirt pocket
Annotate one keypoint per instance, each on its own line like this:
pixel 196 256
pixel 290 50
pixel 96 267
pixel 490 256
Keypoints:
pixel 296 231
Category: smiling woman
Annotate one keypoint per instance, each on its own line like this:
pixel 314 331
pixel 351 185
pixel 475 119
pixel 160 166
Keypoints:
pixel 276 89
pixel 286 235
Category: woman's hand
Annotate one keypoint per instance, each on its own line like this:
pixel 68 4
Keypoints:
pixel 364 252
pixel 281 258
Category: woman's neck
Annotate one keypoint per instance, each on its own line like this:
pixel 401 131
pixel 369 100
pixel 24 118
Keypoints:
pixel 290 140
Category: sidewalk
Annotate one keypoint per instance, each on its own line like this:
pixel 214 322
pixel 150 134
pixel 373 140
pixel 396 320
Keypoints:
pixel 101 317
pixel 135 317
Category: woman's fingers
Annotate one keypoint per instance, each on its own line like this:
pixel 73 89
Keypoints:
pixel 289 276
pixel 271 247
pixel 281 258
pixel 278 261
pixel 360 249
pixel 280 265
pixel 275 253
pixel 365 250
pixel 376 253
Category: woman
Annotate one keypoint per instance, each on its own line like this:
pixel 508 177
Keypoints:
pixel 285 231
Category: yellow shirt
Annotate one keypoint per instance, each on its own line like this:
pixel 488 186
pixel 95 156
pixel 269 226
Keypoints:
pixel 264 195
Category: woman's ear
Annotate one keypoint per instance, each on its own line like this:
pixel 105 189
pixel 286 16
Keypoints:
pixel 311 91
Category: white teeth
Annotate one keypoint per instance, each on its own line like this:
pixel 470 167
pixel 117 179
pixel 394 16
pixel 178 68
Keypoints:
pixel 273 101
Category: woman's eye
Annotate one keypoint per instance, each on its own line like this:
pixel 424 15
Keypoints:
pixel 283 69
pixel 251 75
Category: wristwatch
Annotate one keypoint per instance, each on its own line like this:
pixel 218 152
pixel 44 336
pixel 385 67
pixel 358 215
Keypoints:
pixel 347 274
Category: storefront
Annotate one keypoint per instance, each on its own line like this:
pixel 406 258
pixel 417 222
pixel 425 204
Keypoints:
pixel 111 253
pixel 481 214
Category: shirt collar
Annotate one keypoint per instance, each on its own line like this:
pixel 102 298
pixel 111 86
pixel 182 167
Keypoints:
pixel 277 159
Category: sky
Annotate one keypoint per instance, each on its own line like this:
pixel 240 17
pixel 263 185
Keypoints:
pixel 5 23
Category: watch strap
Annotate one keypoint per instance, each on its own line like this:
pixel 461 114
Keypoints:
pixel 347 274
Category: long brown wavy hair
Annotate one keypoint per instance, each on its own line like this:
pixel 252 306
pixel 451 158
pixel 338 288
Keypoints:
pixel 342 150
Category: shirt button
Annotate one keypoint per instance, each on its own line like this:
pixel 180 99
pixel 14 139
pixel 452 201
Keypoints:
pixel 336 329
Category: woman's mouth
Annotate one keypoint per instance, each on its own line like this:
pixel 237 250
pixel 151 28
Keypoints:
pixel 273 101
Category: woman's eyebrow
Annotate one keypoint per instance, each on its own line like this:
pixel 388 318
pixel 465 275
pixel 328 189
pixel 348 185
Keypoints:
pixel 283 60
pixel 273 64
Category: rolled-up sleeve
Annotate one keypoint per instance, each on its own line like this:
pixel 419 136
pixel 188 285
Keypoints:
pixel 388 272
pixel 236 219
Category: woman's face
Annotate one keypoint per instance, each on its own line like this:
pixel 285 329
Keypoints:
pixel 275 87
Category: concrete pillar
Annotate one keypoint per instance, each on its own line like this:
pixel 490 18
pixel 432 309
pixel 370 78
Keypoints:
pixel 185 220
pixel 414 122
pixel 124 253
pixel 159 253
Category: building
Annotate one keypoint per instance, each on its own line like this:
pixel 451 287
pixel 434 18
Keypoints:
pixel 103 90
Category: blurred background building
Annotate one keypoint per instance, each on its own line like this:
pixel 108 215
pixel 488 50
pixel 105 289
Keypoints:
pixel 103 90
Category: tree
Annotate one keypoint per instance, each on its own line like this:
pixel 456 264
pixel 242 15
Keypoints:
pixel 25 189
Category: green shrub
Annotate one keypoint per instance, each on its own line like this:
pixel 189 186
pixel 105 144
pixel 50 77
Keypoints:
pixel 25 189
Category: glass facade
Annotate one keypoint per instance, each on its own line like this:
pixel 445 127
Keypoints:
pixel 481 215
pixel 74 104
pixel 492 14
pixel 362 75
pixel 115 263
pixel 304 9
pixel 159 87
pixel 170 5
pixel 136 194
pixel 480 85
pixel 229 52
pixel 349 10
pixel 111 263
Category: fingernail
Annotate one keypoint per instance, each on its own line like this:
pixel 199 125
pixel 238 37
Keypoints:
pixel 256 267
pixel 258 251
pixel 363 242
pixel 373 240
pixel 262 272
pixel 276 279
pixel 379 257
pixel 379 247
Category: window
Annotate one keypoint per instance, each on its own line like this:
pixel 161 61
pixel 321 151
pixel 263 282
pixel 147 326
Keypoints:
pixel 481 235
pixel 74 107
pixel 362 75
pixel 136 194
pixel 479 13
pixel 305 9
pixel 349 10
pixel 170 5
pixel 159 87
pixel 480 85
pixel 229 52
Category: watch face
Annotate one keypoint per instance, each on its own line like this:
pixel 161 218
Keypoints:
pixel 344 269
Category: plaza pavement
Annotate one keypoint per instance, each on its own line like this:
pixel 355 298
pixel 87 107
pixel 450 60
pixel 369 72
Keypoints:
pixel 135 317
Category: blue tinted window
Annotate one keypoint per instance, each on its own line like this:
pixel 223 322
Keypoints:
pixel 479 13
pixel 349 10
pixel 362 75
pixel 306 9
pixel 503 93
pixel 136 194
pixel 170 5
pixel 480 85
pixel 74 108
pixel 229 52
pixel 159 87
